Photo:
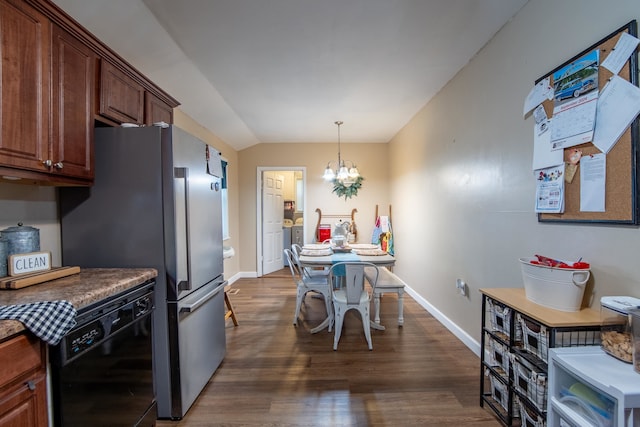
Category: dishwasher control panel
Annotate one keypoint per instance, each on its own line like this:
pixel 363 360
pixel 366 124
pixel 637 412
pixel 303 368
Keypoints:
pixel 101 321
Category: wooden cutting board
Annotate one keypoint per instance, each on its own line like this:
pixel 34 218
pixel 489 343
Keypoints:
pixel 18 282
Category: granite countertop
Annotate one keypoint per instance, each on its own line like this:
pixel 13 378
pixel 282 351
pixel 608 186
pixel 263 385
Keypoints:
pixel 89 286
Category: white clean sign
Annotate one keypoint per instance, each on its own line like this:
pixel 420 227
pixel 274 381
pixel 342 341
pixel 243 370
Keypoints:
pixel 29 263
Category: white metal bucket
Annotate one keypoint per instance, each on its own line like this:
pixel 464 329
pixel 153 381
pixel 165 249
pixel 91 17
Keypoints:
pixel 557 288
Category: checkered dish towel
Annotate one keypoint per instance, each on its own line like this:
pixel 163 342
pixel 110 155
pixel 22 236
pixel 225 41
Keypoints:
pixel 48 320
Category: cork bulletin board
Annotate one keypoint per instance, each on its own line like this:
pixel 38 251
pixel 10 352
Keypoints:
pixel 621 184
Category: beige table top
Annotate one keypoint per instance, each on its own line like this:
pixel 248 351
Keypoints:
pixel 516 299
pixel 328 260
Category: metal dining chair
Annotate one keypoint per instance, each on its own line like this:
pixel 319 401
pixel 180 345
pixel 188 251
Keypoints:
pixel 353 295
pixel 306 284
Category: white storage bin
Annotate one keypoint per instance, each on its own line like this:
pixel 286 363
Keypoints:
pixel 530 382
pixel 589 387
pixel 557 288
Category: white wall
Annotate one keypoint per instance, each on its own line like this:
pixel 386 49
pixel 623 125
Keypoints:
pixel 36 207
pixel 462 186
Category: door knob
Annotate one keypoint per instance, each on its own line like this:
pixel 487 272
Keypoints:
pixel 58 165
pixel 47 163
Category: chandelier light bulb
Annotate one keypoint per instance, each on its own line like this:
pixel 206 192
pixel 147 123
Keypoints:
pixel 329 174
pixel 343 173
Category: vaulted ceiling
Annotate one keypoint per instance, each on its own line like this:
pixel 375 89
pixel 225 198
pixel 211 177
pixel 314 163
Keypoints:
pixel 254 71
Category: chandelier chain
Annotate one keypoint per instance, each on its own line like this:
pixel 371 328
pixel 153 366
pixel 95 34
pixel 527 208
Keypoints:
pixel 339 123
pixel 346 181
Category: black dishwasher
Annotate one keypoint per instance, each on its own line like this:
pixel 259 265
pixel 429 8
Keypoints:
pixel 102 370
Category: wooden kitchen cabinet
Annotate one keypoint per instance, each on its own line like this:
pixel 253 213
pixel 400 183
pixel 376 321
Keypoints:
pixel 25 43
pixel 125 100
pixel 23 395
pixel 121 97
pixel 73 82
pixel 47 83
pixel 156 110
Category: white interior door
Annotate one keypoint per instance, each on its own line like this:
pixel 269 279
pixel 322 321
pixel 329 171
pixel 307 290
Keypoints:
pixel 272 220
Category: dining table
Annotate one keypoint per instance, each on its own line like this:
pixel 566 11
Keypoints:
pixel 322 255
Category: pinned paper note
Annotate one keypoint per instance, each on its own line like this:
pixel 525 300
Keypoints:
pixel 592 183
pixel 550 190
pixel 618 105
pixel 543 155
pixel 539 114
pixel 537 95
pixel 625 46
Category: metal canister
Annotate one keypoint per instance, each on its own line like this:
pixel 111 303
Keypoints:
pixel 3 257
pixel 21 239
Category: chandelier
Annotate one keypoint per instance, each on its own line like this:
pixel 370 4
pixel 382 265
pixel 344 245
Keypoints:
pixel 342 175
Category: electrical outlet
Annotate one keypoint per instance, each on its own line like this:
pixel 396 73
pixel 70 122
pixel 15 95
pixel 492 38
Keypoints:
pixel 461 286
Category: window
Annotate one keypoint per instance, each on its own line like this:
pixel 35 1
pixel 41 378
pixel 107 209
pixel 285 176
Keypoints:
pixel 299 193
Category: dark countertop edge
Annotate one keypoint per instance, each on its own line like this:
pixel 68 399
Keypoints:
pixel 87 287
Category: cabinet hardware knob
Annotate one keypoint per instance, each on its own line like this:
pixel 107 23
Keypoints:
pixel 58 165
pixel 47 163
pixel 31 385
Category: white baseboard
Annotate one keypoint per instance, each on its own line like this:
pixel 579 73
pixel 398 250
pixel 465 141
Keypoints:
pixel 241 275
pixel 466 339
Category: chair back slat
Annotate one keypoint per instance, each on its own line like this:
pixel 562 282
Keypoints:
pixel 296 249
pixel 295 254
pixel 293 266
pixel 354 282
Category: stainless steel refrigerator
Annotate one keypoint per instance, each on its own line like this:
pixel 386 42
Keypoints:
pixel 156 202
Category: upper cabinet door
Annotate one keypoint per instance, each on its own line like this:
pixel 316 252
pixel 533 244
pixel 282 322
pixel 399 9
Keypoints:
pixel 73 65
pixel 121 97
pixel 25 36
pixel 156 110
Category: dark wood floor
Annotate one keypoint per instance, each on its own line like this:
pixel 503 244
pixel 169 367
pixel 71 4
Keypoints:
pixel 275 374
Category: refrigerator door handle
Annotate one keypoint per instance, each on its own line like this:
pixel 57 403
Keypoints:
pixel 190 308
pixel 183 267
